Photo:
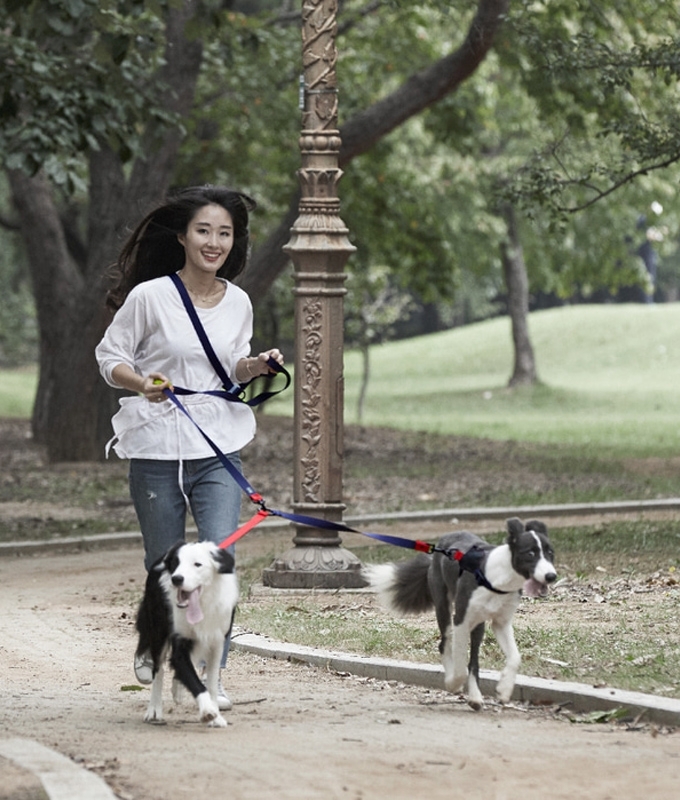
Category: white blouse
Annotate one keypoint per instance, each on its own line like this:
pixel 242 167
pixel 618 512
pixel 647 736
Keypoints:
pixel 152 332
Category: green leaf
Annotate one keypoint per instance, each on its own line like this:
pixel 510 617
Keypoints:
pixel 598 717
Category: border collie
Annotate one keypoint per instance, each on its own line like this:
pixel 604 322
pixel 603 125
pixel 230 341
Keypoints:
pixel 187 609
pixel 469 582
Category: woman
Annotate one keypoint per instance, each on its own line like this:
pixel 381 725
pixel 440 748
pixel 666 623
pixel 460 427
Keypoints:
pixel 201 234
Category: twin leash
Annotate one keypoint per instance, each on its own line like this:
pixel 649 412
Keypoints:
pixel 470 560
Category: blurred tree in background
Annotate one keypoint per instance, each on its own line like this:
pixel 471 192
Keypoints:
pixel 470 133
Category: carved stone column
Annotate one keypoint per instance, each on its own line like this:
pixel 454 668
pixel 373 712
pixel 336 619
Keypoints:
pixel 319 249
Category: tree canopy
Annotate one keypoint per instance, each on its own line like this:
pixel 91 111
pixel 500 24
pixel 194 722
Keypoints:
pixel 447 111
pixel 75 75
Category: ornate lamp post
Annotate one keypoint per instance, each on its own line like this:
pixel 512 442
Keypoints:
pixel 319 249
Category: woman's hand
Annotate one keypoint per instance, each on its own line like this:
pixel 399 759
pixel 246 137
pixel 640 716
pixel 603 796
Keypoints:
pixel 277 355
pixel 249 368
pixel 153 386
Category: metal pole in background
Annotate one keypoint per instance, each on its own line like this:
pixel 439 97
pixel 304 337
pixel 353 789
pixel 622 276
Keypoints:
pixel 319 249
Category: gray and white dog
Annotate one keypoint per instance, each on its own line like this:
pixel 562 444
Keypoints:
pixel 470 582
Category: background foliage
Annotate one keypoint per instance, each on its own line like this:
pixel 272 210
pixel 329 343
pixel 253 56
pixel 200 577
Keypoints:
pixel 574 100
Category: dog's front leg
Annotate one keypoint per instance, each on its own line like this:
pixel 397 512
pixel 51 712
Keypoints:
pixel 212 677
pixel 186 673
pixel 154 711
pixel 474 694
pixel 505 637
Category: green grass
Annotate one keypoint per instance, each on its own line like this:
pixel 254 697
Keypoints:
pixel 609 380
pixel 17 391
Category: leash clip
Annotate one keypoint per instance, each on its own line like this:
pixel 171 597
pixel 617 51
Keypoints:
pixel 257 498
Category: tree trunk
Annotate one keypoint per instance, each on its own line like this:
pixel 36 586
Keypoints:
pixel 367 127
pixel 56 282
pixel 73 408
pixel 517 284
pixel 365 377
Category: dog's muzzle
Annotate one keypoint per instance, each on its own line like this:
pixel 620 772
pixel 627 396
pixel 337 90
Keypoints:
pixel 535 588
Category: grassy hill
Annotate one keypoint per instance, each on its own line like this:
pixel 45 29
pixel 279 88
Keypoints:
pixel 609 381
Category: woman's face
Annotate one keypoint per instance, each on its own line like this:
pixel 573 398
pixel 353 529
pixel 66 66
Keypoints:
pixel 208 239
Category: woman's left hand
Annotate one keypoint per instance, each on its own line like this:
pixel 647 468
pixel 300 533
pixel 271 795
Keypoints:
pixel 254 366
pixel 277 355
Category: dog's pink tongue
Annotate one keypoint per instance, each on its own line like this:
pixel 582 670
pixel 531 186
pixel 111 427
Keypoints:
pixel 532 588
pixel 194 611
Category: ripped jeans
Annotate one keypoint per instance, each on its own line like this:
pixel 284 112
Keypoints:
pixel 160 502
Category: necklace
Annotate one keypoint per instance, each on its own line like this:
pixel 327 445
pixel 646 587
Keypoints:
pixel 215 289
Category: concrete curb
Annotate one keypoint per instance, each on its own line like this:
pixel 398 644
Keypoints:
pixel 60 777
pixel 451 515
pixel 71 544
pixel 579 698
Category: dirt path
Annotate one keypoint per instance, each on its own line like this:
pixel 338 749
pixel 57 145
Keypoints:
pixel 66 647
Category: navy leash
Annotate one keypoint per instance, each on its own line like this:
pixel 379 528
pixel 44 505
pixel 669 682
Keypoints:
pixel 470 560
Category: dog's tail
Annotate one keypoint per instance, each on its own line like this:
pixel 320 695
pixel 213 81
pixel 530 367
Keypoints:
pixel 402 588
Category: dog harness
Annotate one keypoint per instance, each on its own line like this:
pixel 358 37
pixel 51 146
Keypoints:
pixel 471 561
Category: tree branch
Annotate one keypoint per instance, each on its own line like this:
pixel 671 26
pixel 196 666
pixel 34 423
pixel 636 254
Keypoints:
pixel 426 87
pixel 631 176
pixel 366 128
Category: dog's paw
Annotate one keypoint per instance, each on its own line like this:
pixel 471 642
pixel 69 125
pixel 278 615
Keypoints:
pixel 154 716
pixel 504 693
pixel 455 683
pixel 474 696
pixel 218 722
pixel 505 688
pixel 207 707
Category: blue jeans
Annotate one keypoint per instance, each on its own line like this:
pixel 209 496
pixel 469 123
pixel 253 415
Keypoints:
pixel 214 498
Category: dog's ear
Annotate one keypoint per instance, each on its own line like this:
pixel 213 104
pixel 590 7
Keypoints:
pixel 170 559
pixel 224 560
pixel 515 528
pixel 536 526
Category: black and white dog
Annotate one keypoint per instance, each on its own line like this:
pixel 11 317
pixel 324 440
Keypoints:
pixel 187 609
pixel 470 582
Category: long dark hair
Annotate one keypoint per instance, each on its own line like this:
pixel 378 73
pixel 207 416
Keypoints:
pixel 153 249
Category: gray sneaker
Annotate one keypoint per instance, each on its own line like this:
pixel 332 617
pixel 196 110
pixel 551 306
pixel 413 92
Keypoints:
pixel 223 701
pixel 144 668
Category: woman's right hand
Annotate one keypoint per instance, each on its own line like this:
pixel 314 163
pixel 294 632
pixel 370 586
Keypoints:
pixel 154 383
pixel 151 385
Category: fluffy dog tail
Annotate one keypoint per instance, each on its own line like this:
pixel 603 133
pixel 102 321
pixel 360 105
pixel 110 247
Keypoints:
pixel 402 588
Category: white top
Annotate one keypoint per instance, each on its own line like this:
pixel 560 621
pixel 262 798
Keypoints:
pixel 152 332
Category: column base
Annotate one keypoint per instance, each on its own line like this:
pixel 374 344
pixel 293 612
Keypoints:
pixel 315 567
